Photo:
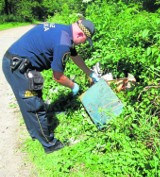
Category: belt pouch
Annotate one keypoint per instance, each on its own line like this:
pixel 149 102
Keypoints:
pixel 35 80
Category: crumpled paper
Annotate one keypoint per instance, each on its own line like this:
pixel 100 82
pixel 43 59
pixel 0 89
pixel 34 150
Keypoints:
pixel 121 83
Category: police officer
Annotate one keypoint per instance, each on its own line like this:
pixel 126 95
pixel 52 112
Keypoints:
pixel 43 47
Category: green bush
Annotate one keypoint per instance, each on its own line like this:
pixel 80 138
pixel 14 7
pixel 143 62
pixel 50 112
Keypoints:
pixel 126 41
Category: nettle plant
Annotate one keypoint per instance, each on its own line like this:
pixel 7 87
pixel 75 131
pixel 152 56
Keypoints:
pixel 126 41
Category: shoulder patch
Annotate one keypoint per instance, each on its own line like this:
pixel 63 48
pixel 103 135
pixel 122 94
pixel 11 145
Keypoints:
pixel 65 39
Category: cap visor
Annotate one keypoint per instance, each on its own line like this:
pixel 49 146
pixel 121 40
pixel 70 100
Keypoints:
pixel 90 42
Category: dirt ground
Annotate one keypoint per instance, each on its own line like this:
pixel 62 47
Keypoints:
pixel 13 162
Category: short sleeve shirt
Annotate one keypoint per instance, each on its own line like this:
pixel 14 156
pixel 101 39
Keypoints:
pixel 47 46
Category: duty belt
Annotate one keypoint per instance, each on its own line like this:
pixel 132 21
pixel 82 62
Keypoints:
pixel 17 62
pixel 10 55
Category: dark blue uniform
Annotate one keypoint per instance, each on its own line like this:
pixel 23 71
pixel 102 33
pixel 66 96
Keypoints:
pixel 45 46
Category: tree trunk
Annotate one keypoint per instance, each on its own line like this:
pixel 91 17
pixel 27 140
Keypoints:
pixel 6 7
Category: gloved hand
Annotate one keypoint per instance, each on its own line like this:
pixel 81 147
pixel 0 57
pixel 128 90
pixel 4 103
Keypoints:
pixel 75 89
pixel 94 77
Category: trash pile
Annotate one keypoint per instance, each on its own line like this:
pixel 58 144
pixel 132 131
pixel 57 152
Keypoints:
pixel 120 83
pixel 101 101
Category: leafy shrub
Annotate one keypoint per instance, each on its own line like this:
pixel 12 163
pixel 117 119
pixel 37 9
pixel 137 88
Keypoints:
pixel 126 41
pixel 8 18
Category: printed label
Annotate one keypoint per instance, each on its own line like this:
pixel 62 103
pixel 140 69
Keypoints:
pixel 48 26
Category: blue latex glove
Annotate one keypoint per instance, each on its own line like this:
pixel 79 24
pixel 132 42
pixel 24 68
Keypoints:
pixel 94 77
pixel 75 89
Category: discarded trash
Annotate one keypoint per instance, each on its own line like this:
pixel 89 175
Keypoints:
pixel 107 77
pixel 101 103
pixel 97 70
pixel 123 83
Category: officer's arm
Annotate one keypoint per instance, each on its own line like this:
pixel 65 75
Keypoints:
pixel 81 64
pixel 62 79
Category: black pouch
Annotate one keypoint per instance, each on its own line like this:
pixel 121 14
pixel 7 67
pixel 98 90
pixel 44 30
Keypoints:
pixel 15 63
pixel 24 65
pixel 35 80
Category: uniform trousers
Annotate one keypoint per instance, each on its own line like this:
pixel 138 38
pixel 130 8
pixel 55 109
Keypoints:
pixel 31 106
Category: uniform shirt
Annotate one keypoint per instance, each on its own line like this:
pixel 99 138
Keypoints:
pixel 46 46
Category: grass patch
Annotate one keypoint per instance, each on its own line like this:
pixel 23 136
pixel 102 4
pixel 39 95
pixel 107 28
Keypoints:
pixel 4 26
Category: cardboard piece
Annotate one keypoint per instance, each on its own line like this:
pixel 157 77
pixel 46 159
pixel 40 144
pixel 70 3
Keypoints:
pixel 101 103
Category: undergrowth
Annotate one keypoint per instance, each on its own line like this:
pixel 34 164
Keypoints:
pixel 127 40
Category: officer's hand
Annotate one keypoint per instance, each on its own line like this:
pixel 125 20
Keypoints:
pixel 75 89
pixel 94 77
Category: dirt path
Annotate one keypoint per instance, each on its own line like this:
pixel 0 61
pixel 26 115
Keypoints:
pixel 13 163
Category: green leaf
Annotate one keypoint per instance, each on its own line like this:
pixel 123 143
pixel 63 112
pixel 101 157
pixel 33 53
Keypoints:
pixel 149 50
pixel 145 33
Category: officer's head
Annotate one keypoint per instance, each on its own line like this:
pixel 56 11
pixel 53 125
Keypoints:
pixel 83 30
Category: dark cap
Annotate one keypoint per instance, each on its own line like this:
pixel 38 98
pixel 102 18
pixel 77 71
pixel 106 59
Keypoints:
pixel 88 28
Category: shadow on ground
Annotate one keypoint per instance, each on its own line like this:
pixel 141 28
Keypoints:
pixel 64 103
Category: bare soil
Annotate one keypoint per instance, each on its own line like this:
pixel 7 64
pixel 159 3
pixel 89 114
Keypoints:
pixel 13 162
